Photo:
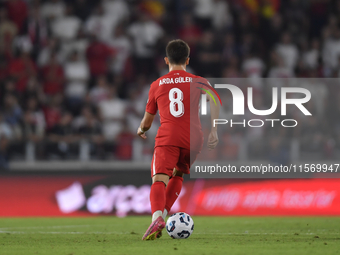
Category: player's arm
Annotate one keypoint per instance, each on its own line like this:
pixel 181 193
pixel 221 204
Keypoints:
pixel 214 113
pixel 150 112
pixel 145 124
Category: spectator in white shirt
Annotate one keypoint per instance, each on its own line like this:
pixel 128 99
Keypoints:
pixel 311 56
pixel 331 49
pixel 100 91
pixel 6 135
pixel 121 43
pixel 67 27
pixel 204 11
pixel 253 67
pixel 113 111
pixel 77 75
pixel 46 52
pixel 101 25
pixel 79 44
pixel 145 34
pixel 116 8
pixel 288 51
pixel 222 17
pixel 53 9
pixel 278 72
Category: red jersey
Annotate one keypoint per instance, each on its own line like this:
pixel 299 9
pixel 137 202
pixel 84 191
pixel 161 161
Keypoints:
pixel 177 98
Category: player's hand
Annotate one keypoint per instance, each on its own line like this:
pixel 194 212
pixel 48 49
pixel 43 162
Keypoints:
pixel 212 140
pixel 141 133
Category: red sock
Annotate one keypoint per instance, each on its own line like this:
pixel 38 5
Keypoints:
pixel 172 191
pixel 157 196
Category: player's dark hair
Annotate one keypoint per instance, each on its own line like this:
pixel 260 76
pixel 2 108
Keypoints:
pixel 177 52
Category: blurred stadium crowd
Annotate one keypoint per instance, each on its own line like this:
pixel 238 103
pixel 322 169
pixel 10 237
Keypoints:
pixel 75 74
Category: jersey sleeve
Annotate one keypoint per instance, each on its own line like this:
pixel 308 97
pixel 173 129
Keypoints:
pixel 151 105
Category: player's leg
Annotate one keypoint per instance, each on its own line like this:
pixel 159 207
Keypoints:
pixel 158 194
pixel 173 190
pixel 186 159
pixel 157 200
pixel 164 159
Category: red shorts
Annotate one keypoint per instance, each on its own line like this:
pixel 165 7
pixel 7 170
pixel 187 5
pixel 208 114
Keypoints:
pixel 166 158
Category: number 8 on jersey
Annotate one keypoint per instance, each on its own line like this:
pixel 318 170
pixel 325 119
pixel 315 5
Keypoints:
pixel 176 105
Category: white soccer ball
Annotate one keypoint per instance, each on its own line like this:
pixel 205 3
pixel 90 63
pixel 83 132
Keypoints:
pixel 180 225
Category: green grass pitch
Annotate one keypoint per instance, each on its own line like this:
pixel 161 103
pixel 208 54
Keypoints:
pixel 212 235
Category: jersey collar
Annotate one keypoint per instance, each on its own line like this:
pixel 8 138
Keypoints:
pixel 177 71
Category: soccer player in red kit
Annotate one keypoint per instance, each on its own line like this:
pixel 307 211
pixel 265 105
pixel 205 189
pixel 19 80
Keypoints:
pixel 178 107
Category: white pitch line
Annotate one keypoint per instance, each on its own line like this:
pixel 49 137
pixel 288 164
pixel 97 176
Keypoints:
pixel 47 227
pixel 265 233
pixel 127 233
pixel 60 233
